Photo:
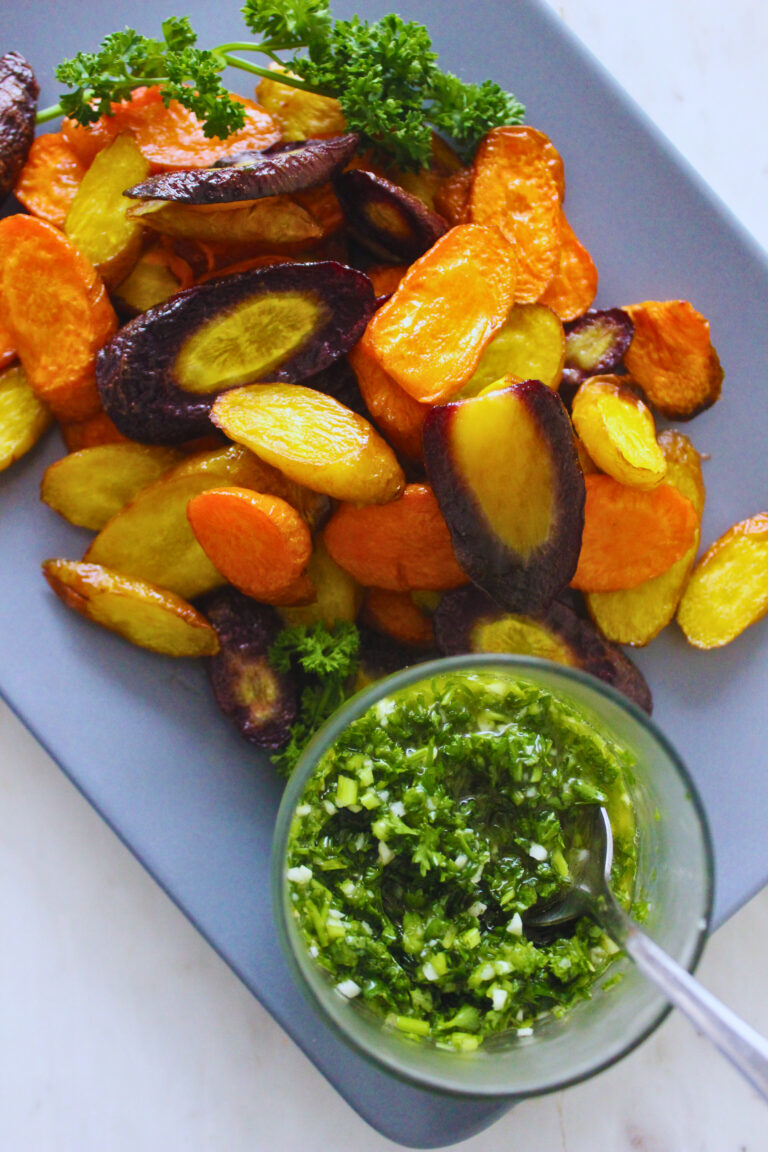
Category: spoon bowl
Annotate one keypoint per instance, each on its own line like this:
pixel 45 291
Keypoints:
pixel 589 857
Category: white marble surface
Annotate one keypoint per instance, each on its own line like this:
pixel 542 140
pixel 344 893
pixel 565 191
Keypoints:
pixel 120 1029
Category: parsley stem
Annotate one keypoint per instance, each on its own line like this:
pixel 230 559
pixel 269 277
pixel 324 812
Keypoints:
pixel 266 46
pixel 55 110
pixel 49 113
pixel 282 78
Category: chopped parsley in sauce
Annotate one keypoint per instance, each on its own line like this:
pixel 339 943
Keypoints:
pixel 428 829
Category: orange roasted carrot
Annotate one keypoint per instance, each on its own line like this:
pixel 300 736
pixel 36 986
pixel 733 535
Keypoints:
pixel 574 286
pixel 430 334
pixel 57 311
pixel 242 266
pixel 87 140
pixel 630 534
pixel 323 205
pixel 398 415
pixel 401 545
pixel 452 196
pixel 50 178
pixel 258 542
pixel 170 138
pixel 396 614
pixel 517 188
pixel 181 268
pixel 672 358
pixel 163 254
pixel 386 277
pixel 208 259
pixel 7 344
pixel 158 274
pixel 97 429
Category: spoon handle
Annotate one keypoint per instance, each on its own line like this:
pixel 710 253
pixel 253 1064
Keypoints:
pixel 742 1045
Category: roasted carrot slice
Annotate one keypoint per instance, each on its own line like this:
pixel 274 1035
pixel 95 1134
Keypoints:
pixel 505 474
pixel 156 275
pixel 312 439
pixel 97 429
pixel 88 487
pixel 208 260
pixel 23 419
pixel 574 286
pixel 150 538
pixel 529 345
pixel 338 596
pixel 728 588
pixel 430 334
pixel 401 545
pixel 672 359
pixel 242 266
pixel 636 615
pixel 299 115
pixel 386 277
pixel 397 614
pixel 50 178
pixel 57 311
pixel 398 415
pixel 323 206
pixel 533 142
pixel 231 464
pixel 254 225
pixel 146 615
pixel 618 431
pixel 7 344
pixel 87 140
pixel 258 542
pixel 516 189
pixel 452 196
pixel 171 138
pixel 631 535
pixel 97 222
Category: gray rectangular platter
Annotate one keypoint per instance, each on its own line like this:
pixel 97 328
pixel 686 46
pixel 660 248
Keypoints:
pixel 138 734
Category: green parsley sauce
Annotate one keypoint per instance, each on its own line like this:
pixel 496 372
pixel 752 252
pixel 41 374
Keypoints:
pixel 428 829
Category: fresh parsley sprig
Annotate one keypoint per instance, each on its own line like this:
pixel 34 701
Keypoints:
pixel 127 60
pixel 384 74
pixel 326 662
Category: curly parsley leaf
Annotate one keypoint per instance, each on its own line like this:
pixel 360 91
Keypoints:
pixel 298 24
pixel 210 102
pixel 465 112
pixel 127 60
pixel 326 661
pixel 178 33
pixel 124 60
pixel 317 649
pixel 384 73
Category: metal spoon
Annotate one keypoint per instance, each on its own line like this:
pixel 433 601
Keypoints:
pixel 590 894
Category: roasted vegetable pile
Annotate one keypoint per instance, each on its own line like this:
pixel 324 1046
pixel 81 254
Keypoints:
pixel 304 388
